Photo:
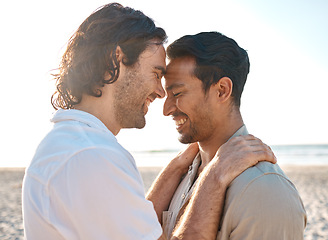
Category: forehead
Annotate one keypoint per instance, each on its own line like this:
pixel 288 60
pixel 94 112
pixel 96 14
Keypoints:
pixel 180 70
pixel 154 55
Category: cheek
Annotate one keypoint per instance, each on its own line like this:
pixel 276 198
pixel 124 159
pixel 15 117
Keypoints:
pixel 185 105
pixel 197 109
pixel 144 84
pixel 178 103
pixel 150 81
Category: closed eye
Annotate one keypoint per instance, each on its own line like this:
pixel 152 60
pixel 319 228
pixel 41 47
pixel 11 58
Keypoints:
pixel 176 94
pixel 157 75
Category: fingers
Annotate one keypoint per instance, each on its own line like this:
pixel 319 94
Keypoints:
pixel 185 158
pixel 245 140
pixel 238 154
pixel 250 143
pixel 266 155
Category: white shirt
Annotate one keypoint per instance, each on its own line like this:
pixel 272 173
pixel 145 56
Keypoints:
pixel 82 184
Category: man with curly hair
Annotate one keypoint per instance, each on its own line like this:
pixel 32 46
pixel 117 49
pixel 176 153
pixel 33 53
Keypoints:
pixel 81 183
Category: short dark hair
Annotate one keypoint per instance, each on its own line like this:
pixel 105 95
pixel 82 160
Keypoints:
pixel 216 56
pixel 91 51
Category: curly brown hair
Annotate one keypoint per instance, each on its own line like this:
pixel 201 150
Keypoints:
pixel 91 52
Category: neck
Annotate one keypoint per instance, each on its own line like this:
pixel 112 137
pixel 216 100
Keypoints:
pixel 100 108
pixel 221 135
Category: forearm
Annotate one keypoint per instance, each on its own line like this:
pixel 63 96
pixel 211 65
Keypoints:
pixel 202 215
pixel 163 188
pixel 201 218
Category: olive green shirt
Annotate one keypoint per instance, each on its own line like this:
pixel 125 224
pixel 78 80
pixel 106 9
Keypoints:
pixel 261 204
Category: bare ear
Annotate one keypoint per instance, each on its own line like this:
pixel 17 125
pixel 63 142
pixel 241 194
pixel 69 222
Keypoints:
pixel 119 54
pixel 224 89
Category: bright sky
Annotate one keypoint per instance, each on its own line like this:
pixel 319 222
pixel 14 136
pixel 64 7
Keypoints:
pixel 284 101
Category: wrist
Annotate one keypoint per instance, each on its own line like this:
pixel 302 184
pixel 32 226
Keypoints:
pixel 215 172
pixel 178 167
pixel 184 159
pixel 223 180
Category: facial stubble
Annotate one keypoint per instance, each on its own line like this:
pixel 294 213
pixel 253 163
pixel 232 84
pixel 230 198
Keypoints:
pixel 200 128
pixel 130 100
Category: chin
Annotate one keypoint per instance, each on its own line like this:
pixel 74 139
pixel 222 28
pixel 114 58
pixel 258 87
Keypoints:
pixel 186 139
pixel 137 123
pixel 140 126
pixel 141 123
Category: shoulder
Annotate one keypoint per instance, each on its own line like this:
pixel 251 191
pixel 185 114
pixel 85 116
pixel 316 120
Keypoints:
pixel 103 157
pixel 69 140
pixel 262 185
pixel 264 188
pixel 263 198
pixel 100 159
pixel 101 172
pixel 93 161
pixel 259 174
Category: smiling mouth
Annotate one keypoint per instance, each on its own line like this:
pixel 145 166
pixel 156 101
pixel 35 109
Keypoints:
pixel 146 105
pixel 148 102
pixel 180 122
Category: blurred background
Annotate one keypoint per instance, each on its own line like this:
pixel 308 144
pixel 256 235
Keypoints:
pixel 285 98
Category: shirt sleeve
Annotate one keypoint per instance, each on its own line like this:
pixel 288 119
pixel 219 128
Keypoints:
pixel 99 195
pixel 269 208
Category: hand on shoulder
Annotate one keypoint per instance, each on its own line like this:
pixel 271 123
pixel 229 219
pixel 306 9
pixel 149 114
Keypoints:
pixel 238 154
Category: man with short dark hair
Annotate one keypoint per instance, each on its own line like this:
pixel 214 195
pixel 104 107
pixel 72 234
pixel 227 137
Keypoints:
pixel 204 82
pixel 81 183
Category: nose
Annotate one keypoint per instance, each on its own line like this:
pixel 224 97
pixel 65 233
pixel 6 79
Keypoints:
pixel 169 106
pixel 160 90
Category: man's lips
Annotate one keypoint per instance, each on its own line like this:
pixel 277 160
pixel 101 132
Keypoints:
pixel 150 99
pixel 148 102
pixel 180 120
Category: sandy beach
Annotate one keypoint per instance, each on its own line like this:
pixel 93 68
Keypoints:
pixel 311 182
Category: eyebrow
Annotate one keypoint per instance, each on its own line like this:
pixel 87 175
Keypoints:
pixel 162 69
pixel 175 85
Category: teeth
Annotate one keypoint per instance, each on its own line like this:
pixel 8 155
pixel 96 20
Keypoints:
pixel 180 122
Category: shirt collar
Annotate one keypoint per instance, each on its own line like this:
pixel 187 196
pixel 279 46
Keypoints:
pixel 197 160
pixel 80 116
pixel 193 168
pixel 240 132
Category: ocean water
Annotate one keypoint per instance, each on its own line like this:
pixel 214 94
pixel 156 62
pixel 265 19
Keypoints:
pixel 286 155
pixel 301 154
